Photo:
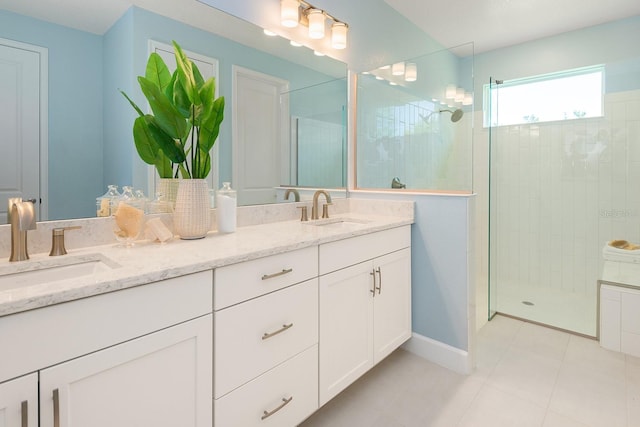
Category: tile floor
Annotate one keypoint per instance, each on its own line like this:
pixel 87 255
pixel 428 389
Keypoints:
pixel 526 375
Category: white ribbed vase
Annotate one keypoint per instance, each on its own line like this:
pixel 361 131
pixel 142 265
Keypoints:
pixel 192 216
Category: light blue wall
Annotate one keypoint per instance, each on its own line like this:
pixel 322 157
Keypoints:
pixel 75 111
pixel 442 286
pixel 119 157
pixel 615 44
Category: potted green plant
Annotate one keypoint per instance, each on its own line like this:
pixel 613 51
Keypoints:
pixel 179 135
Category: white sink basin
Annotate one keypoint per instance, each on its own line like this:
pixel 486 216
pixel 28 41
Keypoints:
pixel 337 222
pixel 35 273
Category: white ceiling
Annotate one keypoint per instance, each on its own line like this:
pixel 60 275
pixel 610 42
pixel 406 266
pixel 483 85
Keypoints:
pixel 490 24
pixel 493 24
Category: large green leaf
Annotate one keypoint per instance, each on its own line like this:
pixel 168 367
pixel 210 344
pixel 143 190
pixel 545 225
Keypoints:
pixel 180 99
pixel 157 71
pixel 186 75
pixel 210 126
pixel 168 118
pixel 171 147
pixel 145 142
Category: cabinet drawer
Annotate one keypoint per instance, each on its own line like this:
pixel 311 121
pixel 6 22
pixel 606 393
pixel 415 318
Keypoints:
pixel 60 332
pixel 240 282
pixel 295 379
pixel 289 317
pixel 340 254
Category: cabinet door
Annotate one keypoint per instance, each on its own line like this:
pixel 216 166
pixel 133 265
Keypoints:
pixel 19 402
pixel 161 379
pixel 346 320
pixel 392 303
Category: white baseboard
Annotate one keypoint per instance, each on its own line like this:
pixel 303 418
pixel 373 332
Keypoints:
pixel 440 353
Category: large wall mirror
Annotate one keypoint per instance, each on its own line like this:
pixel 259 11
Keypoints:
pixel 88 123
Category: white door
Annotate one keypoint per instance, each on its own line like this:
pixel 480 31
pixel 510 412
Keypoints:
pixel 19 402
pixel 208 68
pixel 164 379
pixel 392 303
pixel 260 137
pixel 23 122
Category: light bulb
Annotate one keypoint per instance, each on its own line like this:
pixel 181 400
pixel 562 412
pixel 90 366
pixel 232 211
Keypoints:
pixel 316 23
pixel 339 35
pixel 397 69
pixel 459 95
pixel 289 10
pixel 450 92
pixel 411 72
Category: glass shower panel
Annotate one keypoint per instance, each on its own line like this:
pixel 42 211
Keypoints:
pixel 410 132
pixel 492 103
pixel 560 190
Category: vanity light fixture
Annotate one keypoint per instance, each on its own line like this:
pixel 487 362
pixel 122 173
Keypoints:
pixel 316 23
pixel 339 35
pixel 468 99
pixel 397 69
pixel 294 12
pixel 450 91
pixel 459 95
pixel 411 72
pixel 289 13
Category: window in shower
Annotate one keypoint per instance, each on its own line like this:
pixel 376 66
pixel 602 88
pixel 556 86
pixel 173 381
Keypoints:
pixel 565 95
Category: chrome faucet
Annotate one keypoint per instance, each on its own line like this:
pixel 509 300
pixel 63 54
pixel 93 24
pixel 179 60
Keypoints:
pixel 314 209
pixel 22 217
pixel 296 195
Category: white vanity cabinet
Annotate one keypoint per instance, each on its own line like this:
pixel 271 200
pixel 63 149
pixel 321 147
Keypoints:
pixel 140 356
pixel 365 305
pixel 266 340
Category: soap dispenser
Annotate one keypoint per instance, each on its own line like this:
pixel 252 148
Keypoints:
pixel 226 202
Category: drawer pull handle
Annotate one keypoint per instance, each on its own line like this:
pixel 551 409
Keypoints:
pixel 56 408
pixel 284 403
pixel 272 334
pixel 24 406
pixel 280 273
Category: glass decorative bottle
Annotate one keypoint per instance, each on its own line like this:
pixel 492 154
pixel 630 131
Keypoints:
pixel 226 203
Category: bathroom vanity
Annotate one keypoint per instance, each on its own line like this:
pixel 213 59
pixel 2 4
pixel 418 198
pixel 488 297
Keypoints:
pixel 257 327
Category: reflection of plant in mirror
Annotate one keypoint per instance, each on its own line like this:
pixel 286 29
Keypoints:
pixel 186 118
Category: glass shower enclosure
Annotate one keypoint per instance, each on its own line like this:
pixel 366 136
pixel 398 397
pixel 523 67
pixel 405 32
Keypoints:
pixel 564 180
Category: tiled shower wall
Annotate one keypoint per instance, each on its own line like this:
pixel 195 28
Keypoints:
pixel 562 190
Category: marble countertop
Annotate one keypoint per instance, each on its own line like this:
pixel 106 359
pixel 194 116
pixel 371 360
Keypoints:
pixel 149 262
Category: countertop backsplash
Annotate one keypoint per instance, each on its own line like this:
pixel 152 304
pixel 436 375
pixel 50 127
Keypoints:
pixel 99 231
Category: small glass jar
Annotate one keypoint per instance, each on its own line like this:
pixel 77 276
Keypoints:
pixel 104 202
pixel 128 213
pixel 226 203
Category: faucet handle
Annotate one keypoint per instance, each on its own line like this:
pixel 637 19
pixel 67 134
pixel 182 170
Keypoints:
pixel 57 240
pixel 325 210
pixel 304 216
